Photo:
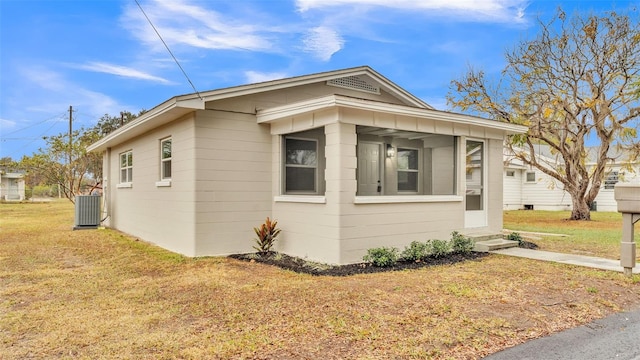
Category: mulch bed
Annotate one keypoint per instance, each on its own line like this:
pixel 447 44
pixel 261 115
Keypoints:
pixel 301 266
pixel 298 265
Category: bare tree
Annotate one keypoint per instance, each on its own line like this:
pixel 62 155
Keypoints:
pixel 577 81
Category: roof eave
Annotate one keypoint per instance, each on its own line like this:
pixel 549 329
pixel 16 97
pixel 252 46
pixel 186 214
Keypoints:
pixel 159 115
pixel 295 109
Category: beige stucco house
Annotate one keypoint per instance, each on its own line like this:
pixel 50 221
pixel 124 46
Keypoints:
pixel 344 161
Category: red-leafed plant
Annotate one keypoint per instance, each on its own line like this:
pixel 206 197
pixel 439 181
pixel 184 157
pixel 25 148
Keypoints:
pixel 267 234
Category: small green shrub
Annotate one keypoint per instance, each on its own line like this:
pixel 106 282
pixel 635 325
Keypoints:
pixel 514 236
pixel 416 251
pixel 461 244
pixel 267 234
pixel 440 248
pixel 382 257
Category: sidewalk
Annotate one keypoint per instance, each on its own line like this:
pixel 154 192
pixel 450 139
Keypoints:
pixel 579 260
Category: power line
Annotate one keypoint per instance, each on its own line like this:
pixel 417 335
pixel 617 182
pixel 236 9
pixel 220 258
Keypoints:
pixel 32 125
pixel 169 50
pixel 32 141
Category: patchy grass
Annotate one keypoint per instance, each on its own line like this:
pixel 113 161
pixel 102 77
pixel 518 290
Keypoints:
pixel 598 237
pixel 98 294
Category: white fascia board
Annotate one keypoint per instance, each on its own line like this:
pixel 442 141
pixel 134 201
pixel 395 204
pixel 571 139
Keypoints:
pixel 295 109
pixel 161 114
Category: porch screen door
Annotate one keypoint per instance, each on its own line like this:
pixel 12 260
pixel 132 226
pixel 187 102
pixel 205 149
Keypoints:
pixel 476 213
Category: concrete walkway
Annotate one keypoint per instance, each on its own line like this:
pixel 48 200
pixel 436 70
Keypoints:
pixel 579 260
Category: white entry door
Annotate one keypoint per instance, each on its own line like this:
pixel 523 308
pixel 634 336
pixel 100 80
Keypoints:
pixel 475 197
pixel 369 174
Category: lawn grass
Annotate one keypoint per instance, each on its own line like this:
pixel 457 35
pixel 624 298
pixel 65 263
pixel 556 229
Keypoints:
pixel 599 237
pixel 99 294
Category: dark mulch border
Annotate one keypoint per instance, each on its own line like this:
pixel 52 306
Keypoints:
pixel 298 265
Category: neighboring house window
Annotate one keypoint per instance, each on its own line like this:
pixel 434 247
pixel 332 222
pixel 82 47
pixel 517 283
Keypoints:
pixel 126 167
pixel 531 176
pixel 165 159
pixel 408 170
pixel 301 165
pixel 611 180
pixel 511 173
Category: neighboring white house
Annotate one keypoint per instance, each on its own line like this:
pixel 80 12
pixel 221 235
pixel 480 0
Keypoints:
pixel 344 160
pixel 11 186
pixel 529 188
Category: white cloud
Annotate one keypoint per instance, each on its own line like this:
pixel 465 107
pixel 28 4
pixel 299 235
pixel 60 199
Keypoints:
pixel 121 71
pixel 322 42
pixel 463 10
pixel 57 93
pixel 7 124
pixel 255 76
pixel 181 23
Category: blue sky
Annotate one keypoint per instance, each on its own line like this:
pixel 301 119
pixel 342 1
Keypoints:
pixel 102 56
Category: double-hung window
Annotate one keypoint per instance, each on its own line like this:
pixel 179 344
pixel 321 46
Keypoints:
pixel 408 170
pixel 126 167
pixel 301 166
pixel 165 159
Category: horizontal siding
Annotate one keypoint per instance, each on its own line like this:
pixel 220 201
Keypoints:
pixel 161 215
pixel 545 197
pixel 512 198
pixel 396 225
pixel 233 181
pixel 545 194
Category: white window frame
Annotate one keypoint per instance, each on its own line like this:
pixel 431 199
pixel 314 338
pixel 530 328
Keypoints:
pixel 127 167
pixel 416 171
pixel 285 166
pixel 164 179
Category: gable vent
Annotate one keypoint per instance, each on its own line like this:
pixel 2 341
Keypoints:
pixel 354 83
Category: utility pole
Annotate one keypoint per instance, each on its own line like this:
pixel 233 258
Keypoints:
pixel 70 148
pixel 70 130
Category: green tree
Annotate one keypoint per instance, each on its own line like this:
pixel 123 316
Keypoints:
pixel 68 166
pixel 574 82
pixel 108 123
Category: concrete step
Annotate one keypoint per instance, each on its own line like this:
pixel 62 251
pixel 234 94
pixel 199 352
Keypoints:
pixel 493 244
pixel 483 235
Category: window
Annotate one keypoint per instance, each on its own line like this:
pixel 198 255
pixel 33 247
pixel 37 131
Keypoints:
pixel 165 159
pixel 511 173
pixel 408 170
pixel 301 165
pixel 611 180
pixel 126 167
pixel 531 176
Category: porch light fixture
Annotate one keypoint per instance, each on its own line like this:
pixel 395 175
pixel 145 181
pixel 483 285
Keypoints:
pixel 390 151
